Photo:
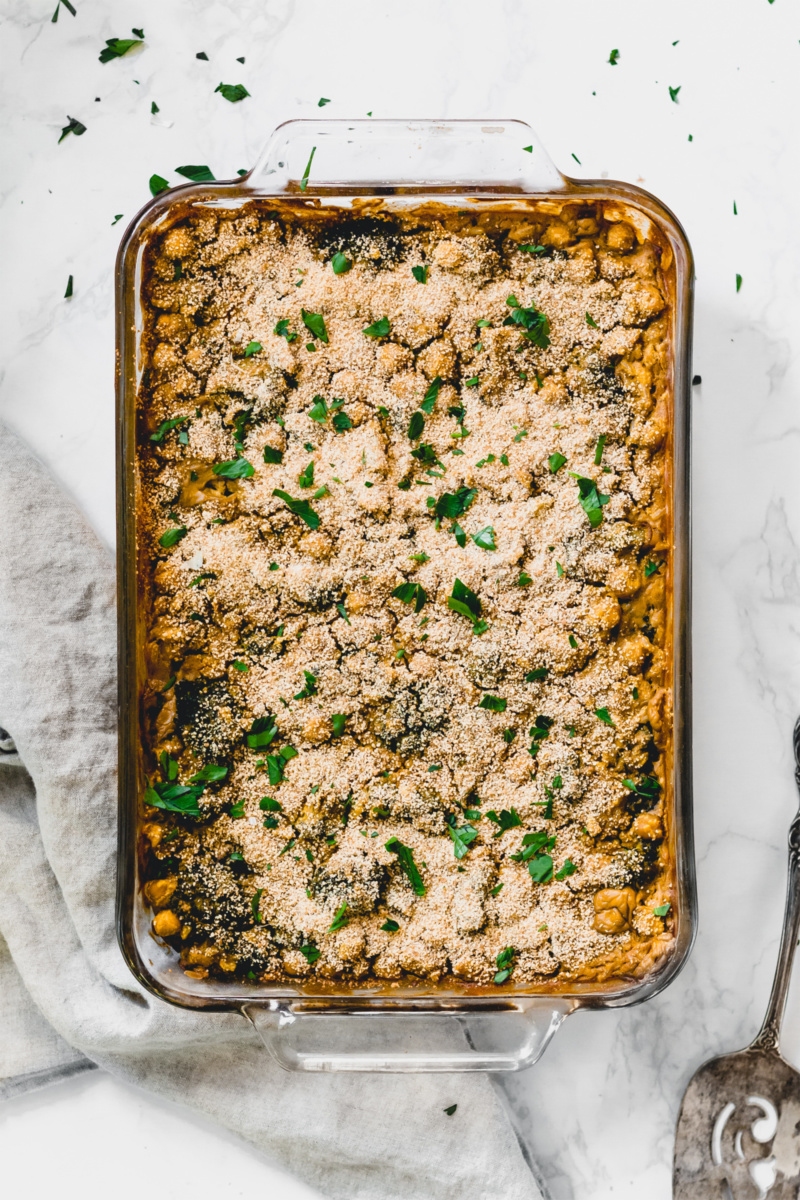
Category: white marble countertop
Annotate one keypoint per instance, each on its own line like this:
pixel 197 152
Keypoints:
pixel 599 1109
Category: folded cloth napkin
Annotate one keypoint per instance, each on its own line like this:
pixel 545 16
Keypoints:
pixel 67 998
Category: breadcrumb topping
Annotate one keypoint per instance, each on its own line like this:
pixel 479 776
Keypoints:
pixel 404 558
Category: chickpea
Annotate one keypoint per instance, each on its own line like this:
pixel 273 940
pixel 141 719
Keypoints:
pixel 621 237
pixel 159 892
pixel 166 924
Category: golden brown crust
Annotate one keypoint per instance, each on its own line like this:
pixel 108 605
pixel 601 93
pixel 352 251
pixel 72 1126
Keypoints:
pixel 426 745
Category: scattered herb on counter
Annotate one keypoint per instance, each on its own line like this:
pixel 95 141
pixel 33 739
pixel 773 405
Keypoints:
pixel 341 264
pixel 67 6
pixel 405 857
pixel 323 100
pixel 157 185
pixel 118 217
pixel 116 47
pixel 505 964
pixel 613 57
pixel 154 108
pixel 202 55
pixel 494 704
pixel 738 283
pixel 420 274
pixel 591 500
pixel 315 324
pixel 232 91
pixel 577 160
pixel 378 329
pixel 74 126
pixel 68 292
pixel 411 593
pixel 673 94
pixel 300 508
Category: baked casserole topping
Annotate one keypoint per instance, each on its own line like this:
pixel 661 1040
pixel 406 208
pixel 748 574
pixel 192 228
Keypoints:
pixel 403 548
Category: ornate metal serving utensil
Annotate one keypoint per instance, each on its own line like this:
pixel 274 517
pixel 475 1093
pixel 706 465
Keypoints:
pixel 738 1135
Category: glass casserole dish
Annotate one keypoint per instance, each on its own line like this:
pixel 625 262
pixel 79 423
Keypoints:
pixel 495 177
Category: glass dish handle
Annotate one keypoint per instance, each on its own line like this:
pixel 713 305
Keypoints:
pixel 408 1040
pixel 315 157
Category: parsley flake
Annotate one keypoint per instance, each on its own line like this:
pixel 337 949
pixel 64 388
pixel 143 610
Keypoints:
pixel 506 819
pixel 341 264
pixel 271 455
pixel 340 919
pixel 536 674
pixel 451 1108
pixel 74 126
pixel 300 508
pixel 464 601
pixel 310 953
pixel 116 47
pixel 651 568
pixel 598 453
pixel 172 536
pixel 315 324
pixel 463 836
pixel 378 329
pixel 390 926
pixel 252 348
pixel 306 477
pixel 416 426
pixel 603 715
pixel 411 593
pixel 505 964
pixel 568 868
pixel 591 500
pixel 590 321
pixel 661 910
pixel 420 274
pixel 307 172
pixel 338 721
pixel 310 688
pixel 613 57
pixel 197 174
pixel 738 283
pixel 232 91
pixel 673 94
pixel 429 399
pixel 485 538
pixel 493 703
pixel 282 330
pixel 68 292
pixel 157 185
pixel 237 468
pixel 451 505
pixel 323 100
pixel 405 857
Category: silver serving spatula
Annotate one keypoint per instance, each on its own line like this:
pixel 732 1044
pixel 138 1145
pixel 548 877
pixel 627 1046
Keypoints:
pixel 738 1135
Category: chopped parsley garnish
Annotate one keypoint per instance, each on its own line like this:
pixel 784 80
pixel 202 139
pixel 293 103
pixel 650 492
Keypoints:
pixel 197 174
pixel 603 715
pixel 282 330
pixel 232 91
pixel 661 910
pixel 536 674
pixel 306 476
pixel 472 382
pixel 315 323
pixel 529 249
pixel 532 324
pixel 509 735
pixel 271 455
pixel 405 857
pixel 590 321
pixel 338 721
pixel 172 536
pixel 254 903
pixel 411 593
pixel 340 919
pixel 310 688
pixel 300 508
pixel 74 126
pixel 505 959
pixel 533 845
pixel 485 538
pixel 559 570
pixel 237 810
pixel 464 601
pixel 651 568
pixel 524 579
pixel 493 703
pixel 506 819
pixel 307 172
pixel 463 836
pixel 116 47
pixel 451 505
pixel 341 264
pixel 598 453
pixel 613 57
pixel 416 426
pixel 420 274
pixel 390 926
pixel 262 733
pixel 591 500
pixel 240 666
pixel 673 94
pixel 68 292
pixel 568 868
pixel 429 399
pixel 496 890
pixel 539 730
pixel 157 185
pixel 647 788
pixel 378 329
pixel 540 868
pixel 310 952
pixel 237 468
pixel 342 611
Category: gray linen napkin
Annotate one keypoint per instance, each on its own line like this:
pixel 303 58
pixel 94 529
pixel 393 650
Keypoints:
pixel 67 999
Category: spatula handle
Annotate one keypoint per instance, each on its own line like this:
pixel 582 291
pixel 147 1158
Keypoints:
pixel 769 1035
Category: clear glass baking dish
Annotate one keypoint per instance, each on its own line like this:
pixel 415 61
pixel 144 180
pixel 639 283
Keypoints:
pixel 470 165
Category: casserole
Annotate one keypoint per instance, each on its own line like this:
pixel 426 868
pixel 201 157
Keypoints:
pixel 650 914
